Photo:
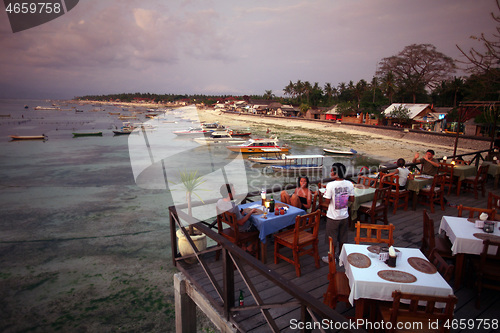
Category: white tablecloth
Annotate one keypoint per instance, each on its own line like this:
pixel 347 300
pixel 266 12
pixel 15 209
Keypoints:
pixel 365 283
pixel 461 233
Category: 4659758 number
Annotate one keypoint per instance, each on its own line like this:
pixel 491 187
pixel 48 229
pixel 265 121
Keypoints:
pixel 33 8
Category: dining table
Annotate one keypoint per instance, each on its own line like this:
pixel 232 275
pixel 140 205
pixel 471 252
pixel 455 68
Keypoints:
pixel 271 223
pixel 415 184
pixel 370 278
pixel 466 239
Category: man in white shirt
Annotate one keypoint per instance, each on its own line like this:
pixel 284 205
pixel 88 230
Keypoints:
pixel 337 195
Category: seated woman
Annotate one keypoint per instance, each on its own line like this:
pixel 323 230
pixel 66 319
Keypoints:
pixel 301 197
pixel 402 172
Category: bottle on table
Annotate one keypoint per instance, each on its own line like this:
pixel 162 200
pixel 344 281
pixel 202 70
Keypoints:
pixel 263 196
pixel 242 301
pixel 271 204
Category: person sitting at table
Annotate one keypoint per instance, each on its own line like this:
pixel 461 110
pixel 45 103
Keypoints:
pixel 430 165
pixel 301 197
pixel 226 204
pixel 337 196
pixel 402 172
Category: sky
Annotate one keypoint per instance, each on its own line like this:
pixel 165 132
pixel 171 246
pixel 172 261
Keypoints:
pixel 229 47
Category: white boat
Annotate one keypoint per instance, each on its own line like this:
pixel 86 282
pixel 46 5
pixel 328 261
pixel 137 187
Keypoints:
pixel 272 158
pixel 340 152
pixel 300 164
pixel 218 138
pixel 47 108
pixel 192 131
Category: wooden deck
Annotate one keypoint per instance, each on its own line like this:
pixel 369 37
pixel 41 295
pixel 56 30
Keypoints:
pixel 314 281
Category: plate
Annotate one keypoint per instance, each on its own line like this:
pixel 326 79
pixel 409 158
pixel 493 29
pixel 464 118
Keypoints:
pixel 422 265
pixel 484 236
pixel 397 276
pixel 279 205
pixel 257 211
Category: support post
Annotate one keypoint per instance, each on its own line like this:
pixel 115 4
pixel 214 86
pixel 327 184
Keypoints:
pixel 185 308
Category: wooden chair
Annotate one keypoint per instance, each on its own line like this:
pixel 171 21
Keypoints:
pixel 395 193
pixel 301 240
pixel 487 268
pixel 367 181
pixel 494 202
pixel 474 212
pixel 477 182
pixel 430 242
pixel 445 269
pixel 461 162
pixel 447 170
pixel 377 208
pixel 338 286
pixel 234 235
pixel 377 228
pixel 319 201
pixel 434 194
pixel 397 314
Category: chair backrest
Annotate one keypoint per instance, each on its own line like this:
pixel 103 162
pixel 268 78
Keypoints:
pixel 445 269
pixel 494 202
pixel 231 220
pixel 447 169
pixel 460 162
pixel 392 183
pixel 332 267
pixel 482 173
pixel 419 313
pixel 438 181
pixel 306 222
pixel 475 211
pixel 378 237
pixel 381 197
pixel 367 181
pixel 428 236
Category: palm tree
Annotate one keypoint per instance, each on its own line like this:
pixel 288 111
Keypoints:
pixel 191 182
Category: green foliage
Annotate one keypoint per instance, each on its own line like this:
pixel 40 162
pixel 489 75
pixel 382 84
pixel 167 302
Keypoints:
pixel 401 113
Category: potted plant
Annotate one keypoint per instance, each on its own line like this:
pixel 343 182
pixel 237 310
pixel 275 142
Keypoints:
pixel 191 182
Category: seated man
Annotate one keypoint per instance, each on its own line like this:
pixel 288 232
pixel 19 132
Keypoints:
pixel 430 165
pixel 226 204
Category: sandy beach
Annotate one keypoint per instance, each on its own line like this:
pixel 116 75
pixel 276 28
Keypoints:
pixel 387 149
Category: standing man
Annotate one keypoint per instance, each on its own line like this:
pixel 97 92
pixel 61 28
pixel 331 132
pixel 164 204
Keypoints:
pixel 430 165
pixel 337 196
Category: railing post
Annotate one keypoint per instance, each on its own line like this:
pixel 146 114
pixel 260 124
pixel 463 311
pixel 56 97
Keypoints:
pixel 173 237
pixel 305 317
pixel 228 283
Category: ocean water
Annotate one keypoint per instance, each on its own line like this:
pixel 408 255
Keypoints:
pixel 47 185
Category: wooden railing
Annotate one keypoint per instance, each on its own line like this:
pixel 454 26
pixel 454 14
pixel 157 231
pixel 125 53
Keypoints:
pixel 235 259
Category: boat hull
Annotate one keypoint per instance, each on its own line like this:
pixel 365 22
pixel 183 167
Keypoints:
pixel 28 137
pixel 257 150
pixel 75 135
pixel 339 152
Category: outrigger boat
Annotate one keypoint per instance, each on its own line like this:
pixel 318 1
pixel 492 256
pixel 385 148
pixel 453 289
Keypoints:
pixel 126 129
pixel 253 146
pixel 218 138
pixel 340 152
pixel 300 164
pixel 28 137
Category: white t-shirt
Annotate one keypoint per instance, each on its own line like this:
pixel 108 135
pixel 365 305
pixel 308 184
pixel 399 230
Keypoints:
pixel 338 192
pixel 403 175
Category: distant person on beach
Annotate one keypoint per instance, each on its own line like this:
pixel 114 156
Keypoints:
pixel 402 172
pixel 301 197
pixel 337 196
pixel 430 165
